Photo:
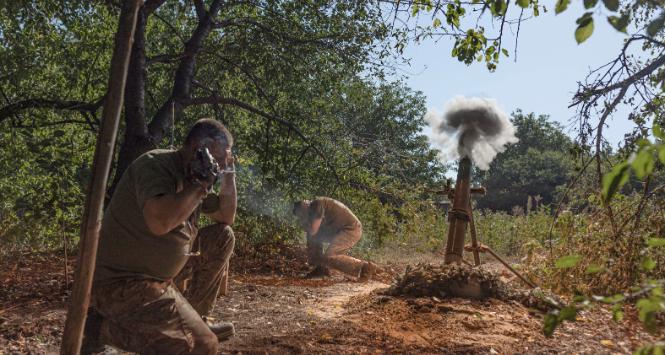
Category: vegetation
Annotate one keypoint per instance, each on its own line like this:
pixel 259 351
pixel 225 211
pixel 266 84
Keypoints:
pixel 302 85
pixel 286 80
pixel 530 172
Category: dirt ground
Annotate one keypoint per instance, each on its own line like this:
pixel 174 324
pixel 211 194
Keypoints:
pixel 276 311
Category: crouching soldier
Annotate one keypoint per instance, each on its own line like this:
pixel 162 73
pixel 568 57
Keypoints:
pixel 158 274
pixel 329 221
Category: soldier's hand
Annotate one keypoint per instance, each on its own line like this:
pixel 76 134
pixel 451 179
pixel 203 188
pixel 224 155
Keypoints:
pixel 229 164
pixel 206 183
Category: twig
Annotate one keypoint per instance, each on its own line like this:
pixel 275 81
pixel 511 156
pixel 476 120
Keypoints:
pixel 517 36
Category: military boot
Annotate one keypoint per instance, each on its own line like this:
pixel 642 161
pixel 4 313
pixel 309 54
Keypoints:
pixel 223 330
pixel 91 343
pixel 368 271
pixel 319 271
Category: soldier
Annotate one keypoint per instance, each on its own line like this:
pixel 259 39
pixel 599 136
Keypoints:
pixel 158 274
pixel 329 221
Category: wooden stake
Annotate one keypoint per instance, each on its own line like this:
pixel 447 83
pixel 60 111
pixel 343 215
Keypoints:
pixel 474 238
pixel 85 266
pixel 497 257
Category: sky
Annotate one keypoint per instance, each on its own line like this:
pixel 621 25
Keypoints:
pixel 544 78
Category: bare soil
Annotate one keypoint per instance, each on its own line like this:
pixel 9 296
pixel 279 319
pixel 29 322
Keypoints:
pixel 276 311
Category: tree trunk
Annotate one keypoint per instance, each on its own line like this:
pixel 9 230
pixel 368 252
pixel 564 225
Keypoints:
pixel 80 297
pixel 136 138
pixel 184 76
pixel 140 136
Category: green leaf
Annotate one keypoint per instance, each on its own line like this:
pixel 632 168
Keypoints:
pixel 613 299
pixel 568 313
pixel 567 261
pixel 593 269
pixel 651 349
pixel 661 153
pixel 590 3
pixel 648 264
pixel 658 350
pixel 498 7
pixel 550 322
pixel 617 312
pixel 656 242
pixel 523 3
pixel 437 23
pixel 648 307
pixel 584 30
pixel 656 25
pixel 561 6
pixel 643 163
pixel 658 132
pixel 614 180
pixel 612 5
pixel 579 299
pixel 619 23
pixel 504 51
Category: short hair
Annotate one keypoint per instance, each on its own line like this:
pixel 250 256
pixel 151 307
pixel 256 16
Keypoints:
pixel 209 128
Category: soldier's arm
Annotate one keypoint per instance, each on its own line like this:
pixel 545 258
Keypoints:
pixel 316 214
pixel 165 212
pixel 228 201
pixel 314 226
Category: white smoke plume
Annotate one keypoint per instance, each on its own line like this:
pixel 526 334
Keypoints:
pixel 470 127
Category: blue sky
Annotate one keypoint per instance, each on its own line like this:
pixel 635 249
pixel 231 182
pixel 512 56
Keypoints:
pixel 544 78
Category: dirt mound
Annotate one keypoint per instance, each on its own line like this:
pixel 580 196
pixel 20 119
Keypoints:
pixel 449 281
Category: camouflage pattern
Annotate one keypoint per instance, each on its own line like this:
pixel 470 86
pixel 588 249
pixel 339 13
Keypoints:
pixel 203 276
pixel 335 255
pixel 150 316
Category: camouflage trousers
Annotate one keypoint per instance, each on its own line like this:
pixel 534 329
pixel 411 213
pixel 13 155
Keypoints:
pixel 335 255
pixel 164 317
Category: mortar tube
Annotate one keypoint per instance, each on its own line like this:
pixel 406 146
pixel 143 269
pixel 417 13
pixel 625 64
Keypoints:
pixel 459 213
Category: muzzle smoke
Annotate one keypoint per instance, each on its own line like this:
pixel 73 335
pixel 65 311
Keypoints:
pixel 470 127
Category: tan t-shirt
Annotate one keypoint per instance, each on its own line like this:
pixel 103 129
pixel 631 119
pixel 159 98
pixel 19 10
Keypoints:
pixel 336 216
pixel 127 248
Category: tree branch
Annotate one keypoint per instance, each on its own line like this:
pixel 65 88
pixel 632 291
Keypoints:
pixel 184 75
pixel 79 106
pixel 151 5
pixel 54 123
pixel 212 100
pixel 164 58
pixel 200 9
pixel 584 95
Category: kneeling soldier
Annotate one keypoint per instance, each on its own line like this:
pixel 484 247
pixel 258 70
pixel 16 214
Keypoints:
pixel 329 221
pixel 158 274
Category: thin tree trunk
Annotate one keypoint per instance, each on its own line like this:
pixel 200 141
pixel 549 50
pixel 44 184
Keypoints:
pixel 80 299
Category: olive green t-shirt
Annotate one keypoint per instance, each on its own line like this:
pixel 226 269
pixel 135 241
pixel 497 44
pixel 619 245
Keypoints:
pixel 336 216
pixel 127 248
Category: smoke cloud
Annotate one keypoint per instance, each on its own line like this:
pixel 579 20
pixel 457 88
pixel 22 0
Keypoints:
pixel 470 127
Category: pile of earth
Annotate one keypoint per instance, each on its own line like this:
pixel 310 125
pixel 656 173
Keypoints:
pixel 451 280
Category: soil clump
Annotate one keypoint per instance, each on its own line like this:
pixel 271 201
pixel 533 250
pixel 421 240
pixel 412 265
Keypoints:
pixel 450 281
